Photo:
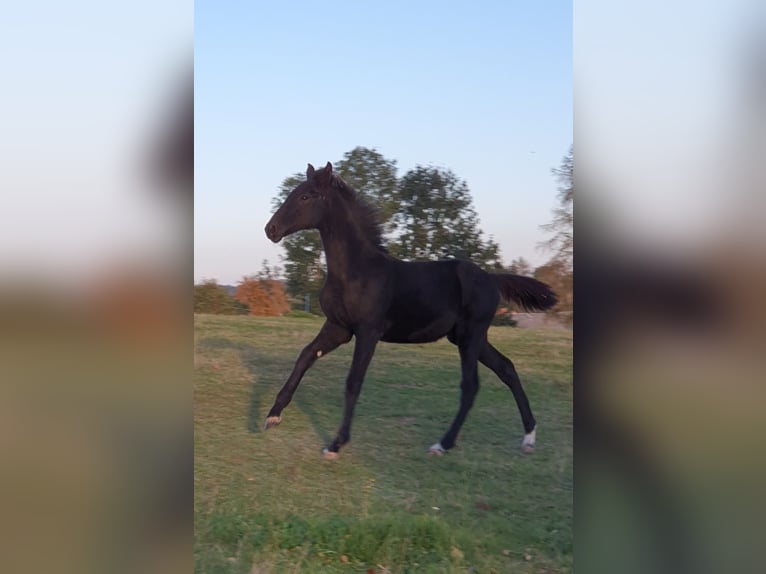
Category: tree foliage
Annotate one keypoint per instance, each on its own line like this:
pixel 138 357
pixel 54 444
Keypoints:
pixel 264 296
pixel 210 297
pixel 561 242
pixel 520 266
pixel 269 271
pixel 558 276
pixel 558 272
pixel 436 220
pixel 374 177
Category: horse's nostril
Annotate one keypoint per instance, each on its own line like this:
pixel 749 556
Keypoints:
pixel 271 231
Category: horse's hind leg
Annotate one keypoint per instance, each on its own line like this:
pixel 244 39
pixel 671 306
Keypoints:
pixel 469 387
pixel 503 368
pixel 330 337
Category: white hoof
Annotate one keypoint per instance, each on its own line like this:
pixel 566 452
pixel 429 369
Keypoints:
pixel 329 455
pixel 528 444
pixel 272 422
pixel 437 449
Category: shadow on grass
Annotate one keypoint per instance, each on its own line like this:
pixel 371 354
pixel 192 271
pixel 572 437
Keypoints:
pixel 263 365
pixel 402 400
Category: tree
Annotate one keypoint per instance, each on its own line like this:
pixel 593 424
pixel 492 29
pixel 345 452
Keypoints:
pixel 268 271
pixel 263 296
pixel 251 293
pixel 558 271
pixel 558 276
pixel 561 243
pixel 275 289
pixel 436 220
pixel 374 177
pixel 210 297
pixel 280 304
pixel 520 266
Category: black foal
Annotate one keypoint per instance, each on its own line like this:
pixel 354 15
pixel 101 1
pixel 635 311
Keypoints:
pixel 375 297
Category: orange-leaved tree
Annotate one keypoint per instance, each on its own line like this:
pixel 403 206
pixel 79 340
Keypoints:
pixel 264 297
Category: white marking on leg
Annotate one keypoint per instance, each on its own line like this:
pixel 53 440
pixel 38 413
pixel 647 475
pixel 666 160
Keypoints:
pixel 437 449
pixel 319 354
pixel 329 455
pixel 528 444
pixel 272 421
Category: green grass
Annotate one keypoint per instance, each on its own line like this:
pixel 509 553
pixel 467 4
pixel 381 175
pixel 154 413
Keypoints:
pixel 267 501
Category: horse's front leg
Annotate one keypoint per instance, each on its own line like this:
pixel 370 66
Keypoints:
pixel 364 348
pixel 330 337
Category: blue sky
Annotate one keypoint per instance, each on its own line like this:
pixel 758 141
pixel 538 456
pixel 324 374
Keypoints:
pixel 86 88
pixel 484 89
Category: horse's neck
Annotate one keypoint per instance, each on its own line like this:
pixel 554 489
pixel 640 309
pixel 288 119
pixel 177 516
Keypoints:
pixel 344 245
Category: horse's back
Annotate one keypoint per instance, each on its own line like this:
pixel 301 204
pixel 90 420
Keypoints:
pixel 427 300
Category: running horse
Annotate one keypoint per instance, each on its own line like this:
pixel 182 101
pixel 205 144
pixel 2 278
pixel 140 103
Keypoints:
pixel 374 296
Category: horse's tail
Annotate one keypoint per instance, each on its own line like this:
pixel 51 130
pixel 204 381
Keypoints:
pixel 526 292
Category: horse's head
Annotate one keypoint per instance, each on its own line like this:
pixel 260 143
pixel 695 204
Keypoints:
pixel 305 207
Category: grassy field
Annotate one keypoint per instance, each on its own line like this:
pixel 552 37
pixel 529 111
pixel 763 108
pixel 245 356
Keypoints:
pixel 267 501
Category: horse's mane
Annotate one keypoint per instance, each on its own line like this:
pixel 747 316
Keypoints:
pixel 363 212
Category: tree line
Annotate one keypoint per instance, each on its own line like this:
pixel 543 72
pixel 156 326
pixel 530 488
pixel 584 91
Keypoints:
pixel 426 214
pixel 261 294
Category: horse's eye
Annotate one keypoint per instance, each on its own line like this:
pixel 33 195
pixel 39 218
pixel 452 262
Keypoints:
pixel 304 197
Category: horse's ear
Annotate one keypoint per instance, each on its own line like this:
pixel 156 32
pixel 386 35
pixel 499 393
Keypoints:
pixel 324 176
pixel 309 171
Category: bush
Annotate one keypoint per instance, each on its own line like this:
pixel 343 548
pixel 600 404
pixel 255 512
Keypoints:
pixel 210 297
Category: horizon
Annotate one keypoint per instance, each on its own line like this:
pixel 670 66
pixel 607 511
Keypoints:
pixel 281 278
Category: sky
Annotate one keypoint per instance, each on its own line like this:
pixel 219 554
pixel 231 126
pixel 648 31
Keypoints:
pixel 660 98
pixel 81 104
pixel 483 89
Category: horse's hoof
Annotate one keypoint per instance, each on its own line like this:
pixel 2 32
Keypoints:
pixel 437 449
pixel 272 422
pixel 330 455
pixel 528 444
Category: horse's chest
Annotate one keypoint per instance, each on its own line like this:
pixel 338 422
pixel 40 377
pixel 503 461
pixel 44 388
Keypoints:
pixel 345 304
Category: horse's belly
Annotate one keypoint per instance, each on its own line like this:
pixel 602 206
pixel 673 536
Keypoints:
pixel 418 332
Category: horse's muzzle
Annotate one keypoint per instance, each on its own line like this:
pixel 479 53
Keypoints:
pixel 271 232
